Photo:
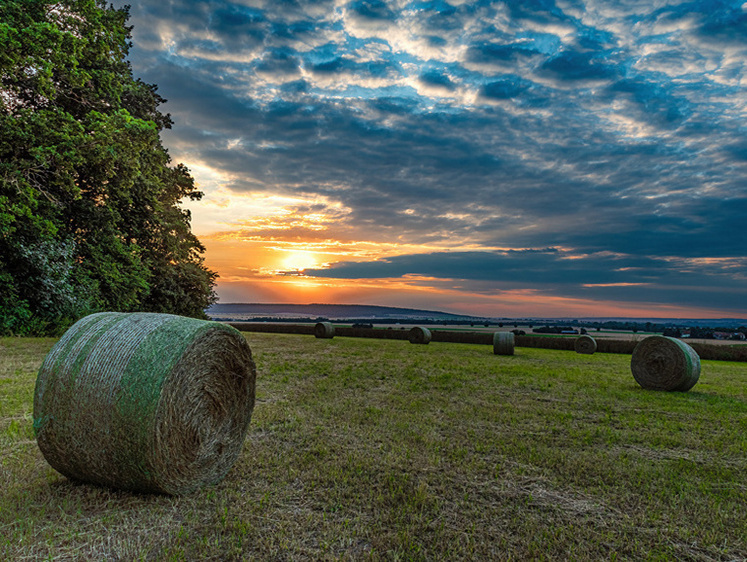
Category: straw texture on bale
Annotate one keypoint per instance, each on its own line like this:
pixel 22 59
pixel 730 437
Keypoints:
pixel 145 402
pixel 585 344
pixel 419 335
pixel 503 343
pixel 663 363
pixel 324 330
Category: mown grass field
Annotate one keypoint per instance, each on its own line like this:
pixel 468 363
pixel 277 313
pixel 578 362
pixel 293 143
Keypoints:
pixel 364 449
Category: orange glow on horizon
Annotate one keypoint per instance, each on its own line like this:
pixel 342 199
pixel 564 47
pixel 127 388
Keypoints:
pixel 261 268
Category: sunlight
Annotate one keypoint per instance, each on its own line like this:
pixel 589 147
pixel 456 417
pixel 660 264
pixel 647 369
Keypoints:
pixel 298 260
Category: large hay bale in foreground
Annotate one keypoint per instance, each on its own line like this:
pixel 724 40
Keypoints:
pixel 585 344
pixel 663 363
pixel 324 330
pixel 503 343
pixel 146 402
pixel 419 335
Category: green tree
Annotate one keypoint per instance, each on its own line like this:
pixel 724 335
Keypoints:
pixel 89 201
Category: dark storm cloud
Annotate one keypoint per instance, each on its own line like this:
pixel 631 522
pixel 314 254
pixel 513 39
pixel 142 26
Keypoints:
pixel 552 273
pixel 278 61
pixel 546 266
pixel 587 126
pixel 506 87
pixel 343 65
pixel 653 99
pixel 372 9
pixel 574 65
pixel 725 21
pixel 490 52
pixel 435 78
pixel 537 10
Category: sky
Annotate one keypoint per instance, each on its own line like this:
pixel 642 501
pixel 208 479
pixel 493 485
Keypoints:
pixel 511 159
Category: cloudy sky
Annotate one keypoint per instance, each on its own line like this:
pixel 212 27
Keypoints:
pixel 498 158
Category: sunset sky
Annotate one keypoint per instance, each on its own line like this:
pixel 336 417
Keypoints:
pixel 512 159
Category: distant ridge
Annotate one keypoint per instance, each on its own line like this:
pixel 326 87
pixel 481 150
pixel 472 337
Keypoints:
pixel 248 311
pixel 331 311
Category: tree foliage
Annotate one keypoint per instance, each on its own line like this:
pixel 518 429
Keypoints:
pixel 89 201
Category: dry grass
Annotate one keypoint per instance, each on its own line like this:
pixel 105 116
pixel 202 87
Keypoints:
pixel 378 450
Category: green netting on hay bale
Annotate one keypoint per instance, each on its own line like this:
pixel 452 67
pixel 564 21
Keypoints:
pixel 324 330
pixel 503 343
pixel 663 363
pixel 146 402
pixel 585 344
pixel 419 335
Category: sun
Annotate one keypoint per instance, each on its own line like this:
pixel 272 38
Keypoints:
pixel 298 260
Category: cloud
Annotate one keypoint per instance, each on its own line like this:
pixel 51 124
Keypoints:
pixel 551 272
pixel 574 65
pixel 371 10
pixel 590 127
pixel 438 79
pixel 726 23
pixel 506 87
pixel 490 52
pixel 278 61
pixel 541 266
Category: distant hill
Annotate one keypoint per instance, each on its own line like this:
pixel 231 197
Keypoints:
pixel 249 311
pixel 246 311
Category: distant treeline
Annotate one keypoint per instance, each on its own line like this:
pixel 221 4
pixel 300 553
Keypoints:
pixel 559 330
pixel 377 321
pixel 738 334
pixel 676 331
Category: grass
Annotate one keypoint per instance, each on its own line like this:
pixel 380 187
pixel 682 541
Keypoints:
pixel 364 449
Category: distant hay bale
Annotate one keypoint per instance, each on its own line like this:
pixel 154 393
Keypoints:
pixel 419 335
pixel 145 402
pixel 585 344
pixel 503 343
pixel 324 330
pixel 663 363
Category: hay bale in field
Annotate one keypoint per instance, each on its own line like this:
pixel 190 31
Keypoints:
pixel 324 330
pixel 503 343
pixel 419 335
pixel 585 344
pixel 146 402
pixel 664 363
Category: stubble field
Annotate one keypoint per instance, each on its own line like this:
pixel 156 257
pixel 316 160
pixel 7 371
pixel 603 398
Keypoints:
pixel 364 449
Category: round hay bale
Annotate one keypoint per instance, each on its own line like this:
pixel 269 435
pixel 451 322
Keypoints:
pixel 145 402
pixel 585 344
pixel 419 335
pixel 324 330
pixel 503 343
pixel 663 363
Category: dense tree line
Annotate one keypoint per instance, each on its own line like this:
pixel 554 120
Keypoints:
pixel 89 201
